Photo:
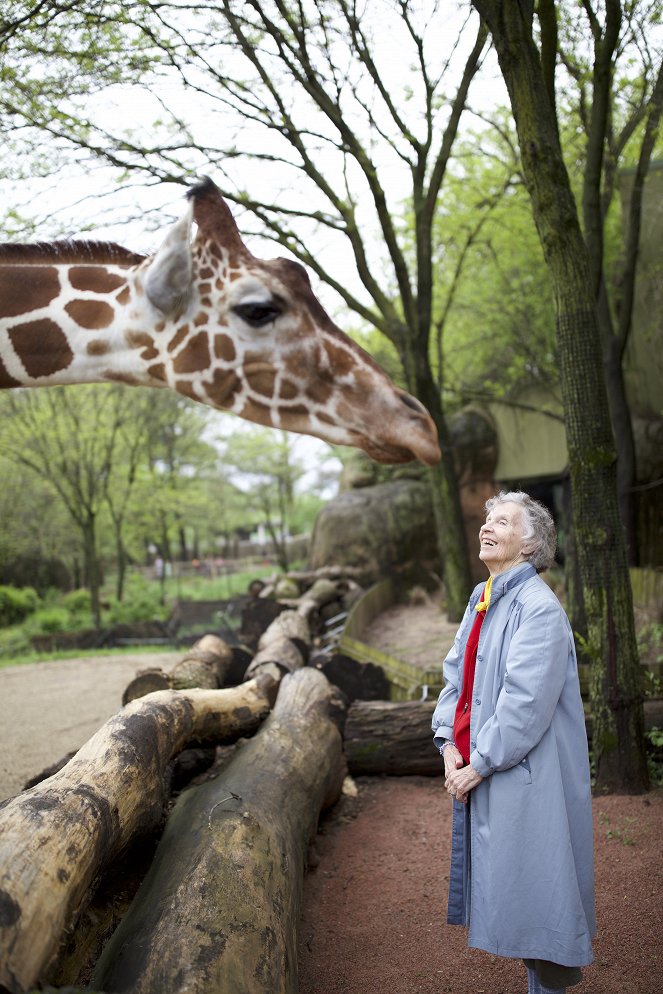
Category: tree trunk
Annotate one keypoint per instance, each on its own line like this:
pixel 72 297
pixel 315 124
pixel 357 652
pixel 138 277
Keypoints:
pixel 56 838
pixel 391 737
pixel 615 693
pixel 220 906
pixel 447 508
pixel 91 566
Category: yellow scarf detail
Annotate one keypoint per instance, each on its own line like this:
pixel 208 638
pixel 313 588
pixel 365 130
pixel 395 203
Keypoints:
pixel 485 599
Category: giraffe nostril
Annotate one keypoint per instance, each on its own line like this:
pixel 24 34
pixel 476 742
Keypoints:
pixel 413 403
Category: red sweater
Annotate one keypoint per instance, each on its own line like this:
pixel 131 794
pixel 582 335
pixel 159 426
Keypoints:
pixel 464 706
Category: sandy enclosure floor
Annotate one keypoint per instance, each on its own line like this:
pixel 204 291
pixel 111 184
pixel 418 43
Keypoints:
pixel 50 709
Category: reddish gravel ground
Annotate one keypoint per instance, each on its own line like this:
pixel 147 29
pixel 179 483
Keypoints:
pixel 375 905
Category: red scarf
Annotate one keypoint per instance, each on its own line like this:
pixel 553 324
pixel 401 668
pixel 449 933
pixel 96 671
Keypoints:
pixel 464 706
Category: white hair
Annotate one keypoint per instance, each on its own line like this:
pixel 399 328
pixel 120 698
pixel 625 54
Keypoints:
pixel 539 526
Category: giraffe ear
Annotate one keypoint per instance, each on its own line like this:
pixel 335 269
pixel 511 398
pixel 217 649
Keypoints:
pixel 170 273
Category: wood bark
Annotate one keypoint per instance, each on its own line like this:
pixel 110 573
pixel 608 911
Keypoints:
pixel 391 737
pixel 220 906
pixel 207 664
pixel 282 648
pixel 56 838
pixel 394 738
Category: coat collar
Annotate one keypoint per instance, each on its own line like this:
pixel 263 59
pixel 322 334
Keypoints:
pixel 506 581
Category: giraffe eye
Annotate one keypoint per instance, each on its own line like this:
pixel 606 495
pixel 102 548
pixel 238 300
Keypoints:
pixel 258 315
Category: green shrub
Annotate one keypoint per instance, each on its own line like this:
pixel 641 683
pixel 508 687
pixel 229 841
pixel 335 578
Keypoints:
pixel 16 604
pixel 138 605
pixel 51 619
pixel 77 602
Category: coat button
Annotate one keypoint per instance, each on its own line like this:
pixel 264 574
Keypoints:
pixel 477 700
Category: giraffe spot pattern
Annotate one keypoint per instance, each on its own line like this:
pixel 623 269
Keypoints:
pixel 157 371
pixel 225 384
pixel 194 357
pixel 26 288
pixel 92 314
pixel 201 318
pixel 288 390
pixel 41 346
pixel 185 387
pixel 178 338
pixel 97 347
pixel 224 348
pixel 124 296
pixel 263 382
pixel 95 278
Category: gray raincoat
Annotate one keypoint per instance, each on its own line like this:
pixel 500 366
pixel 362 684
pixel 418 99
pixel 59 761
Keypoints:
pixel 522 875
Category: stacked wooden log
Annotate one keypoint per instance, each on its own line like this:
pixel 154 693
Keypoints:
pixel 219 906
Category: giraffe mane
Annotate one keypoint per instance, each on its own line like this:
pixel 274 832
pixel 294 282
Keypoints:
pixel 68 252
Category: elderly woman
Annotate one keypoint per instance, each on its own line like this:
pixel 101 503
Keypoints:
pixel 510 726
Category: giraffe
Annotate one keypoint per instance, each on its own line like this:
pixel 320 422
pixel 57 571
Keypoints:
pixel 204 317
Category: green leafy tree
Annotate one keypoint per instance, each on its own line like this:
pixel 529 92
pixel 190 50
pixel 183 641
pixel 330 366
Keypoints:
pixel 528 70
pixel 266 468
pixel 69 438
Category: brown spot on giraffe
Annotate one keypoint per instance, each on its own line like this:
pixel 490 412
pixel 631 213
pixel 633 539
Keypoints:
pixel 95 278
pixel 97 347
pixel 201 318
pixel 288 390
pixel 27 288
pixel 92 314
pixel 124 296
pixel 160 325
pixel 206 273
pixel 41 346
pixel 224 348
pixel 138 339
pixel 157 371
pixel 263 382
pixel 223 387
pixel 178 337
pixel 185 387
pixel 195 357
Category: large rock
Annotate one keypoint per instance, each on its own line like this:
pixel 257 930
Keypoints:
pixel 376 529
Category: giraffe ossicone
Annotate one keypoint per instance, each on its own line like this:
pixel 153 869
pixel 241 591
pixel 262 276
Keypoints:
pixel 203 316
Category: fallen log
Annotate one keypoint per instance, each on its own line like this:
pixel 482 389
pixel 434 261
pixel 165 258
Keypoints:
pixel 207 664
pixel 57 837
pixel 391 737
pixel 395 737
pixel 282 648
pixel 219 908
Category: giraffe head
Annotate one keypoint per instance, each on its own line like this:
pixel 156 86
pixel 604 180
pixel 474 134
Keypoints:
pixel 249 336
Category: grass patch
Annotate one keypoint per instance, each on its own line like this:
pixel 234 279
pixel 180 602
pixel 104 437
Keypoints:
pixel 145 599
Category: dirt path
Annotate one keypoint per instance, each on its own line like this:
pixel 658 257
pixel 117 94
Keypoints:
pixel 375 905
pixel 50 709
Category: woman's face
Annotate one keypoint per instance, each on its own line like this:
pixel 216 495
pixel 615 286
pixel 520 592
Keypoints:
pixel 501 544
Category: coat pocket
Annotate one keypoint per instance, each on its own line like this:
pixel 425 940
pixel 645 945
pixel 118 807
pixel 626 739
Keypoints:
pixel 525 770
